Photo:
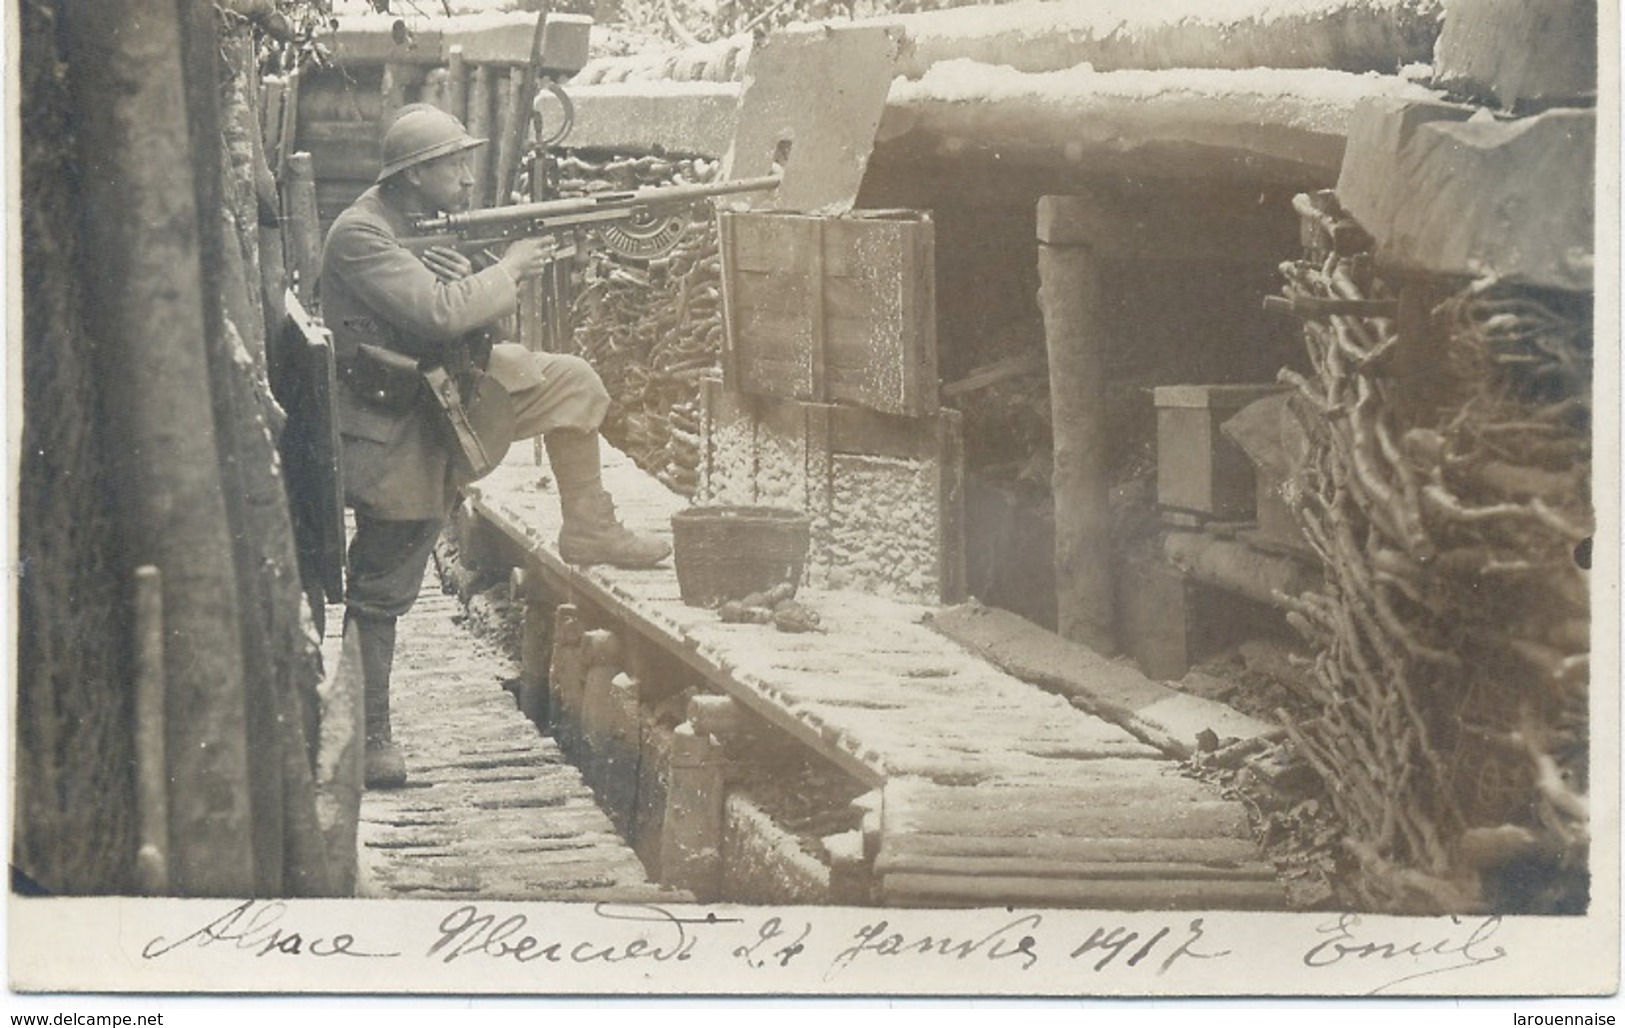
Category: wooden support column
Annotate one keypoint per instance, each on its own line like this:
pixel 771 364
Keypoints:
pixel 564 678
pixel 1069 296
pixel 601 662
pixel 535 643
pixel 618 759
pixel 691 835
pixel 396 75
pixel 304 237
pixel 478 123
pixel 457 84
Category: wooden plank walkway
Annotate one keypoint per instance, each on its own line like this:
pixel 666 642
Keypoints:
pixel 993 790
pixel 491 808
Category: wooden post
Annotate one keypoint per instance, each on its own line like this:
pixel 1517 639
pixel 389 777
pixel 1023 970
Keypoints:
pixel 271 96
pixel 152 774
pixel 393 88
pixel 288 138
pixel 338 774
pixel 535 639
pixel 601 656
pixel 144 277
pixel 457 84
pixel 511 140
pixel 619 758
pixel 479 125
pixel 1069 296
pixel 564 677
pixel 502 90
pixel 304 233
pixel 691 835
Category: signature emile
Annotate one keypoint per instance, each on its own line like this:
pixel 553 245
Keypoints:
pixel 1436 949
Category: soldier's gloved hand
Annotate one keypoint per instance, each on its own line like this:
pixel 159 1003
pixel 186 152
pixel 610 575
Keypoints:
pixel 447 263
pixel 527 258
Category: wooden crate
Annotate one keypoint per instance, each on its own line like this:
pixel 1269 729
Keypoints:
pixel 831 310
pixel 1198 469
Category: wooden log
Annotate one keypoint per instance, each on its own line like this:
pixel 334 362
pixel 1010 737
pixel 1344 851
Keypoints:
pixel 851 876
pixel 1519 53
pixel 1147 818
pixel 691 834
pixel 904 846
pixel 457 84
pixel 392 92
pixel 1070 298
pixel 479 125
pixel 719 716
pixel 304 230
pixel 654 776
pixel 271 95
pixel 1240 568
pixel 288 136
pixel 601 651
pixel 510 142
pixel 620 755
pixel 1035 867
pixel 535 635
pixel 565 677
pixel 923 890
pixel 152 777
pixel 143 273
pixel 337 775
pixel 1018 366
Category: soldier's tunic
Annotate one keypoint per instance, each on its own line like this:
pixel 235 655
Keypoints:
pixel 398 465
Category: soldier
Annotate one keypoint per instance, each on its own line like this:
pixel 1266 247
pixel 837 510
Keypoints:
pixel 383 303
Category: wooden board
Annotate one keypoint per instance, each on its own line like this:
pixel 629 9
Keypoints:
pixel 849 70
pixel 921 890
pixel 838 310
pixel 311 450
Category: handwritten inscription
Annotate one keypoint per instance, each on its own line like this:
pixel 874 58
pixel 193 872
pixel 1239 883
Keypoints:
pixel 1350 941
pixel 774 945
pixel 468 931
pixel 1113 942
pixel 257 927
pixel 1013 940
pixel 768 943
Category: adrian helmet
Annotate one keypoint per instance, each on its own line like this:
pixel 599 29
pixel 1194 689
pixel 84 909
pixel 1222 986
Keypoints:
pixel 422 133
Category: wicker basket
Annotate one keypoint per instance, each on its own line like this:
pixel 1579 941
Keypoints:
pixel 727 553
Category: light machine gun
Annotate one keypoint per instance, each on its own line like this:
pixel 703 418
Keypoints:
pixel 641 224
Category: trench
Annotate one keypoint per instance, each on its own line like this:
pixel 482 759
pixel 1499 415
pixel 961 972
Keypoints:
pixel 780 801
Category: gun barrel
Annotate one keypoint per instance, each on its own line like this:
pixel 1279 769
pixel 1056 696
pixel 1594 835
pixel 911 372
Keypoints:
pixel 584 208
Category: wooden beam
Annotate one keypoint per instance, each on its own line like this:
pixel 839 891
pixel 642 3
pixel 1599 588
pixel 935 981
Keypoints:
pixel 1070 298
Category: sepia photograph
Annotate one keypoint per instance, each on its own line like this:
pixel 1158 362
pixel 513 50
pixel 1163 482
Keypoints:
pixel 912 498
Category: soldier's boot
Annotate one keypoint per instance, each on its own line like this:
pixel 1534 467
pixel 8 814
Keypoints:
pixel 592 533
pixel 384 766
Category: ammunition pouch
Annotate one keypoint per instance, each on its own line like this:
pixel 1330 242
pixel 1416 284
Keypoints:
pixel 383 379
